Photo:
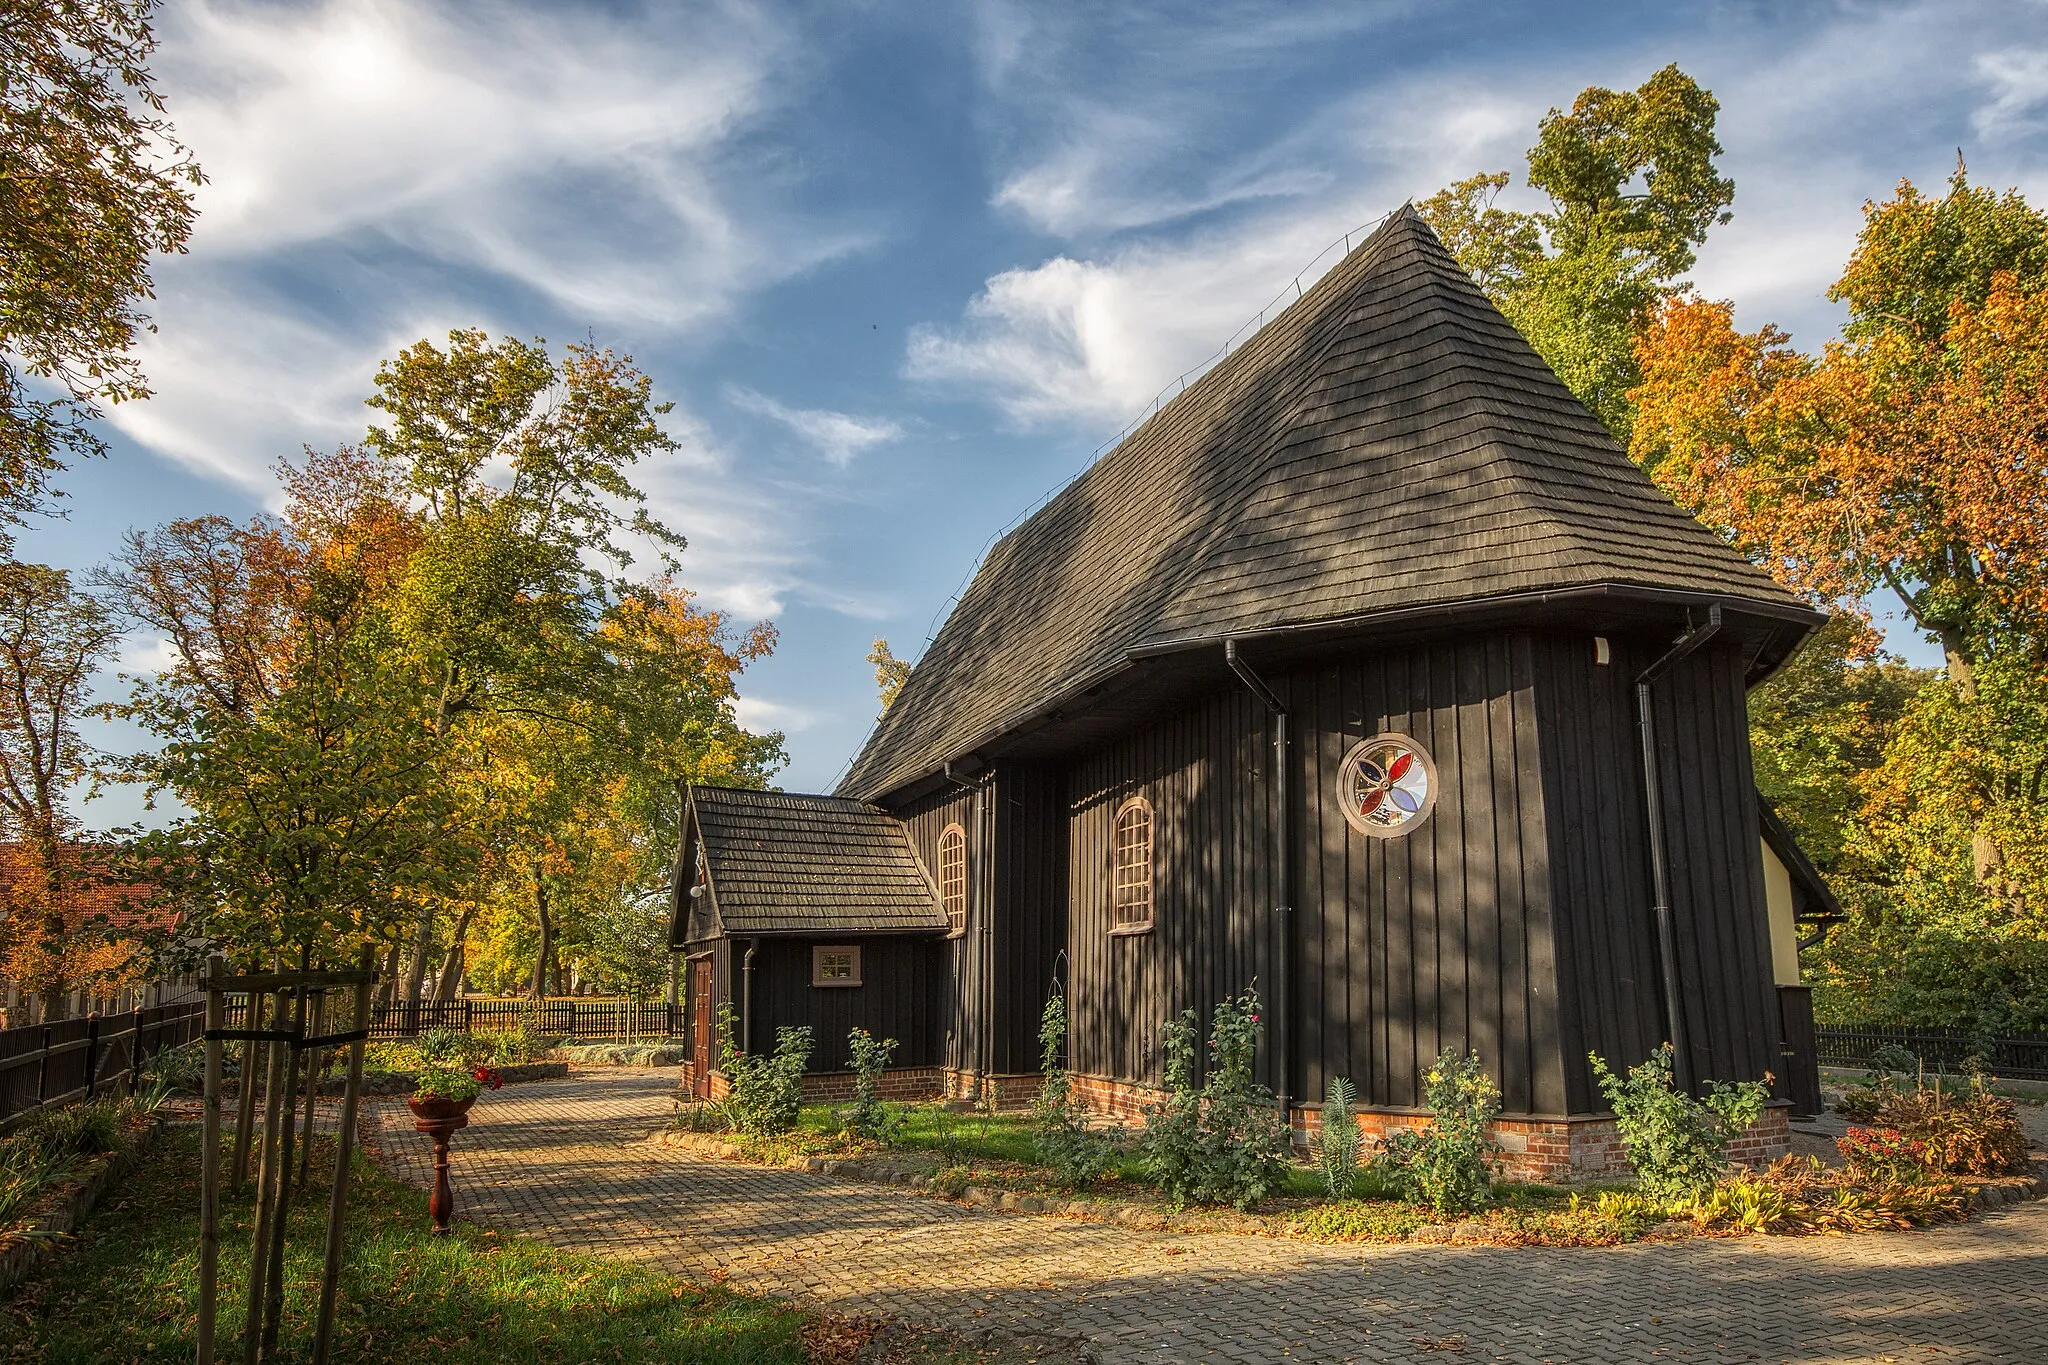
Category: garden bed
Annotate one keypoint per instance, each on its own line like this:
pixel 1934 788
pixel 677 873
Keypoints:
pixel 982 1162
pixel 52 1214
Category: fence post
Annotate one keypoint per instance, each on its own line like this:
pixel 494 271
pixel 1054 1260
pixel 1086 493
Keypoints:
pixel 572 1016
pixel 468 1015
pixel 92 1052
pixel 135 1053
pixel 43 1070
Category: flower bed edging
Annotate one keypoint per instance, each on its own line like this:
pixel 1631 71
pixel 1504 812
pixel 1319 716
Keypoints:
pixel 69 1204
pixel 917 1173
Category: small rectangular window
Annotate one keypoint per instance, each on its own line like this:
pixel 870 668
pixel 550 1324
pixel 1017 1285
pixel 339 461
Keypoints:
pixel 835 966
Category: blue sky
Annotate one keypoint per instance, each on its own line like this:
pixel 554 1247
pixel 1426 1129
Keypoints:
pixel 904 267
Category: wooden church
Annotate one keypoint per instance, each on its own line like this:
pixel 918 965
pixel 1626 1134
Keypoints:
pixel 1368 671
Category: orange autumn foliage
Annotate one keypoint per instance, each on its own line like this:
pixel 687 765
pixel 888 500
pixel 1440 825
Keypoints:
pixel 1868 467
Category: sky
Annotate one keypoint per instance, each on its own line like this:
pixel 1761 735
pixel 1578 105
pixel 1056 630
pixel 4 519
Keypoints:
pixel 903 269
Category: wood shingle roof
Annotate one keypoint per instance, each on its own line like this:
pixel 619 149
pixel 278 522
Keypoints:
pixel 782 863
pixel 1388 442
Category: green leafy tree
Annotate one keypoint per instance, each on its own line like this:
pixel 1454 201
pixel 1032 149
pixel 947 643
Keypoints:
pixel 320 808
pixel 1633 188
pixel 93 184
pixel 1821 725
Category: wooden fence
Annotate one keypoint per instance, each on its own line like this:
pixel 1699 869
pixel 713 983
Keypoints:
pixel 1944 1049
pixel 565 1018
pixel 46 1065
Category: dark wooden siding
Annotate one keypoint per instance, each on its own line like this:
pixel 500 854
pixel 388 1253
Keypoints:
pixel 1207 773
pixel 927 820
pixel 1599 837
pixel 902 985
pixel 1030 905
pixel 1440 937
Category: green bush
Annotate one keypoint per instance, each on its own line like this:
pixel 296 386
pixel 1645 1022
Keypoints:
pixel 1224 1142
pixel 1447 1165
pixel 1336 1144
pixel 1059 1129
pixel 78 1129
pixel 870 1118
pixel 1674 1141
pixel 767 1091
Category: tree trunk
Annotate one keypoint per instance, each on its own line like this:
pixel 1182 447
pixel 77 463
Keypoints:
pixel 547 939
pixel 452 965
pixel 387 987
pixel 423 944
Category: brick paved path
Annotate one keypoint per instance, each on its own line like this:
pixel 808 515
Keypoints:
pixel 567 1161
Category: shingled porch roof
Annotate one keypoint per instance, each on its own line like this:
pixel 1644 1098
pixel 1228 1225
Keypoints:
pixel 782 863
pixel 1388 443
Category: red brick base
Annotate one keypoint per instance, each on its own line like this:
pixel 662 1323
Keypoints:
pixel 1533 1147
pixel 905 1084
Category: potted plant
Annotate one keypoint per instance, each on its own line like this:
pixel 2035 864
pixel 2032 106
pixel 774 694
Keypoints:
pixel 446 1090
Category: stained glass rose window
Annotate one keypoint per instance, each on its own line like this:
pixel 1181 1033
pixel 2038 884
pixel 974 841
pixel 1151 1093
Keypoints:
pixel 1387 783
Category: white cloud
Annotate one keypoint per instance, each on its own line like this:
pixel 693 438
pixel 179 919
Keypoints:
pixel 759 714
pixel 2018 78
pixel 382 171
pixel 838 436
pixel 1093 333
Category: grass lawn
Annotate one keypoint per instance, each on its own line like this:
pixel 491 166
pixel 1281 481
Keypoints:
pixel 129 1290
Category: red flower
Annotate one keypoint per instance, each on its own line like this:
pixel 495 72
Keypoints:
pixel 488 1077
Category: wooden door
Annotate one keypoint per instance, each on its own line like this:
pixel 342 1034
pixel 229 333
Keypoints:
pixel 700 1027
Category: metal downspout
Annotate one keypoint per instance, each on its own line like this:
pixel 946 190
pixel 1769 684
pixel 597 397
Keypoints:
pixel 1660 871
pixel 747 996
pixel 1283 878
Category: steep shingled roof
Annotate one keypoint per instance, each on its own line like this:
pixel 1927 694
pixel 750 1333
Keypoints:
pixel 1388 442
pixel 781 863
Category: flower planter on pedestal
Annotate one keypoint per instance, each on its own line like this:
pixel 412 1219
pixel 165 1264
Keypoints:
pixel 439 1119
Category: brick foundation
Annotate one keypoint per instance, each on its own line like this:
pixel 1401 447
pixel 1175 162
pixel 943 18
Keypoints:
pixel 1533 1147
pixel 905 1084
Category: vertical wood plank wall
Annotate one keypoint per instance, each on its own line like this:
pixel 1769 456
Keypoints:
pixel 927 819
pixel 1030 905
pixel 901 977
pixel 1440 937
pixel 1207 773
pixel 1600 841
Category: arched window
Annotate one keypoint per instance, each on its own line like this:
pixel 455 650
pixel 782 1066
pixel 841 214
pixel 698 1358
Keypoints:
pixel 953 878
pixel 1130 882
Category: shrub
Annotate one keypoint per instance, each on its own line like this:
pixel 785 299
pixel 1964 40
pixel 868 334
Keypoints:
pixel 1448 1164
pixel 1674 1141
pixel 1337 1143
pixel 78 1129
pixel 1883 1154
pixel 870 1118
pixel 451 1046
pixel 1059 1130
pixel 767 1091
pixel 1224 1142
pixel 1976 1133
pixel 511 1047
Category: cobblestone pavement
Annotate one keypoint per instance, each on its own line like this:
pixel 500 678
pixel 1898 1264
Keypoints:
pixel 567 1161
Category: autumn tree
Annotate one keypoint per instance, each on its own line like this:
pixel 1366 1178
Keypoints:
pixel 1904 460
pixel 890 672
pixel 93 184
pixel 53 638
pixel 1633 188
pixel 291 726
